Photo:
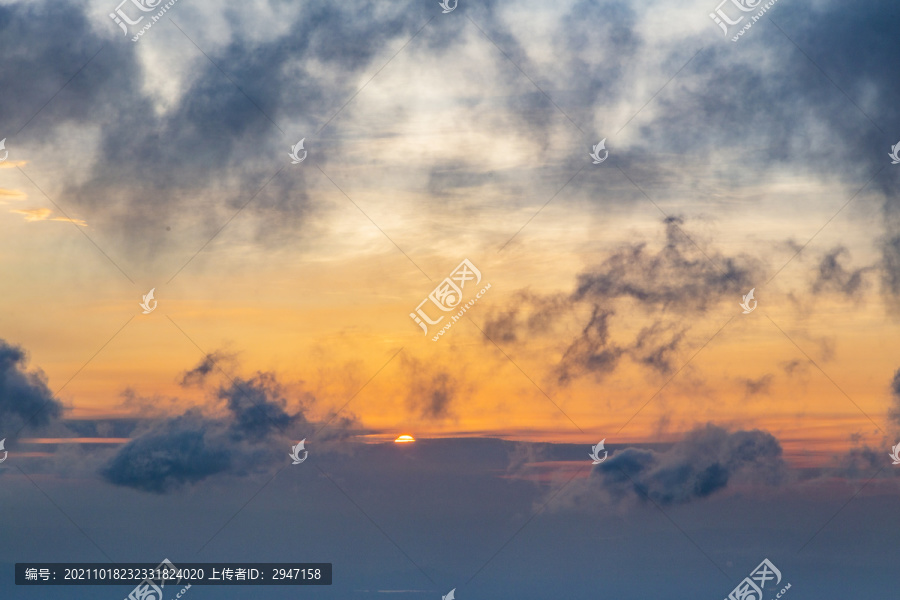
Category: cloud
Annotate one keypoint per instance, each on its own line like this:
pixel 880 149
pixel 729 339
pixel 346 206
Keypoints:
pixel 832 276
pixel 678 277
pixel 9 195
pixel 186 449
pixel 208 139
pixel 191 447
pixel 890 269
pixel 25 399
pixel 799 366
pixel 528 314
pixel 856 463
pixel 760 385
pixel 43 214
pixel 591 351
pixel 662 286
pixel 197 375
pixel 257 405
pixel 705 462
pixel 894 410
pixel 432 391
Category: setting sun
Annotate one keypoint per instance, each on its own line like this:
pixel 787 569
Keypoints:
pixel 404 439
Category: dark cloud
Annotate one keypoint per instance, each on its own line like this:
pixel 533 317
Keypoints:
pixel 857 463
pixel 432 391
pixel 192 447
pixel 257 405
pixel 25 399
pixel 656 346
pixel 590 352
pixel 760 385
pixel 703 463
pixel 668 287
pixel 197 375
pixel 796 365
pixel 676 281
pixel 678 277
pixel 182 450
pixel 528 314
pixel 832 276
pixel 189 161
pixel 890 267
pixel 894 410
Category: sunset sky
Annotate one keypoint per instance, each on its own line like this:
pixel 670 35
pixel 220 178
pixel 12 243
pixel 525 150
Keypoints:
pixel 614 311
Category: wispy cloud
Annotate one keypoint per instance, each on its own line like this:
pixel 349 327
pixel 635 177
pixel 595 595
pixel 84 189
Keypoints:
pixel 33 215
pixel 7 195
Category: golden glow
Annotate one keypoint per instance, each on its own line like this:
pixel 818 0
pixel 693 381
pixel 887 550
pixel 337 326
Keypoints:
pixel 404 439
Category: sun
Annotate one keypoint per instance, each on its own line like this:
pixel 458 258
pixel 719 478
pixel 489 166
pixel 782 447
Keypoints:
pixel 405 439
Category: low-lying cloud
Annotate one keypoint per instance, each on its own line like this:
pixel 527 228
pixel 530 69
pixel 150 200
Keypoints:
pixel 705 462
pixel 254 431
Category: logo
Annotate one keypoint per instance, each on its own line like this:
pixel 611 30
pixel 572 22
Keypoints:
pixel 296 160
pixel 449 595
pixel 720 18
pixel 5 453
pixel 895 152
pixel 895 453
pixel 295 452
pixel 148 589
pixel 148 298
pixel 751 588
pixel 144 6
pixel 596 153
pixel 448 296
pixel 121 18
pixel 447 8
pixel 596 450
pixel 723 20
pixel 6 152
pixel 745 303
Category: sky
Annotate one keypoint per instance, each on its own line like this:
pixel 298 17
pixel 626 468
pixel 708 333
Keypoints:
pixel 598 185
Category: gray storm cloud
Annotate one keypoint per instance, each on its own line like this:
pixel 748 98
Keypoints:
pixel 217 143
pixel 25 399
pixel 705 462
pixel 214 146
pixel 192 447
